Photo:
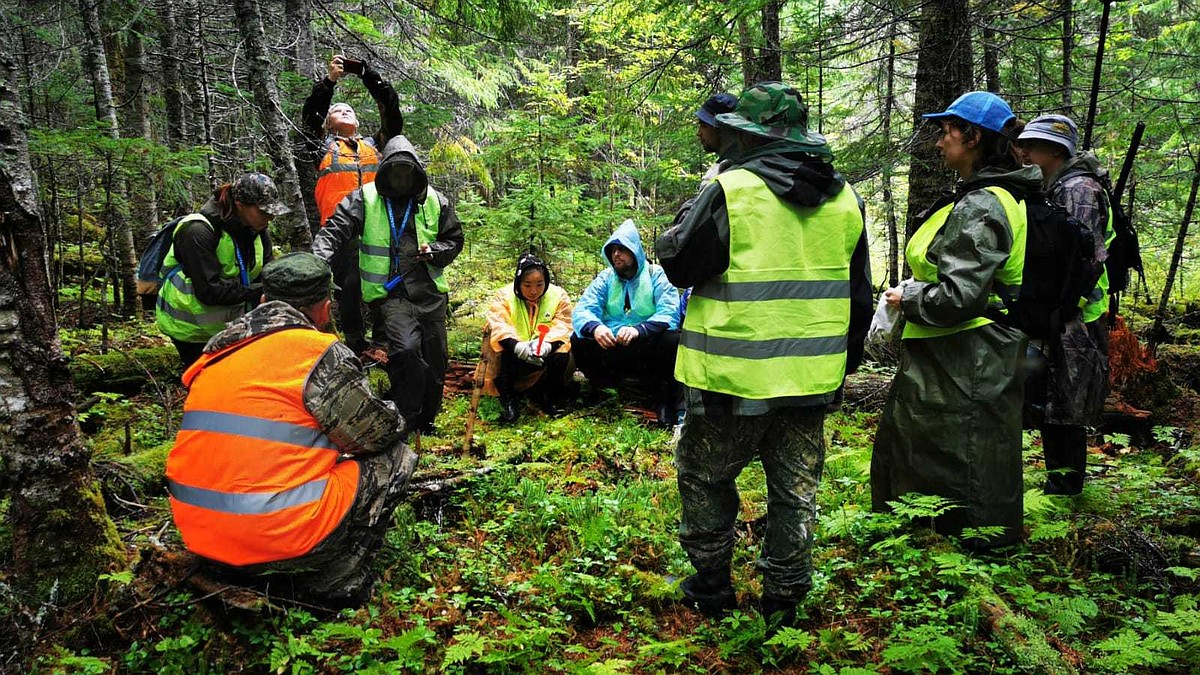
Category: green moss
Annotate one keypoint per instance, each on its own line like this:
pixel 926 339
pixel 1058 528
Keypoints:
pixel 125 369
pixel 96 548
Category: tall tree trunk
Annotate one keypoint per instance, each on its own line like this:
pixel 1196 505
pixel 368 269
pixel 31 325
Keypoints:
pixel 172 56
pixel 1176 257
pixel 299 29
pixel 943 74
pixel 106 112
pixel 266 100
pixel 763 62
pixel 889 202
pixel 299 21
pixel 196 76
pixel 991 60
pixel 1068 44
pixel 142 196
pixel 62 537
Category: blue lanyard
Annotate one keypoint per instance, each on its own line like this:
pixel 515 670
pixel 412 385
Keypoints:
pixel 237 252
pixel 396 234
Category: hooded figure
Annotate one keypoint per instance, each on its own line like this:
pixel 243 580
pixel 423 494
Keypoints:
pixel 626 322
pixel 776 252
pixel 409 233
pixel 529 327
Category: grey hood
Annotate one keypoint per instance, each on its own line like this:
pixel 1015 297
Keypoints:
pixel 399 151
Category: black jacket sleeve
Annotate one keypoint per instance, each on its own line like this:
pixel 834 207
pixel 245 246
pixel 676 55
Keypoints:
pixel 862 302
pixel 696 248
pixel 312 117
pixel 392 120
pixel 196 251
pixel 450 238
pixel 343 226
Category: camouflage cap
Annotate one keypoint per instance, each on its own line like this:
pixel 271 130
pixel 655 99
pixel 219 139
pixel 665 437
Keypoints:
pixel 774 110
pixel 257 189
pixel 299 279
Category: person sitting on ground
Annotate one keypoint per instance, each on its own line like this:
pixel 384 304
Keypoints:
pixel 345 160
pixel 1077 373
pixel 288 467
pixel 528 359
pixel 211 270
pixel 627 322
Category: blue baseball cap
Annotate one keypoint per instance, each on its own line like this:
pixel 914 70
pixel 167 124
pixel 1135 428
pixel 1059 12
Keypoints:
pixel 715 105
pixel 981 108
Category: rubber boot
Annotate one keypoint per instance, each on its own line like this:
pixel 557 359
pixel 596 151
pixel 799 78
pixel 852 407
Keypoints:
pixel 777 613
pixel 709 591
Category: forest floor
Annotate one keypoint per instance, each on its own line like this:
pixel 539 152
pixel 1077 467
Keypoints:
pixel 551 547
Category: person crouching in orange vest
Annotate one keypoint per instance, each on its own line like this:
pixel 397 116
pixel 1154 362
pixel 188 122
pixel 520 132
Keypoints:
pixel 286 462
pixel 345 161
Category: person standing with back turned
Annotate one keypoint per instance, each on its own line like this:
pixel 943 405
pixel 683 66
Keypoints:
pixel 777 254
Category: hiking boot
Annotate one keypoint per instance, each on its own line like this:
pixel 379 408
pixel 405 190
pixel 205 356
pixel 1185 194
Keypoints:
pixel 777 613
pixel 710 592
pixel 508 410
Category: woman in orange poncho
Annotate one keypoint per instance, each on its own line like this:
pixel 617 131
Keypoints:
pixel 529 360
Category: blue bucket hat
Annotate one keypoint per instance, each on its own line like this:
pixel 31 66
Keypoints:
pixel 981 108
pixel 716 104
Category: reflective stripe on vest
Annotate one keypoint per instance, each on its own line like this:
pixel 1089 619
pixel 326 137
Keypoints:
pixel 1099 304
pixel 252 477
pixel 1009 275
pixel 776 322
pixel 547 308
pixel 343 170
pixel 374 251
pixel 179 314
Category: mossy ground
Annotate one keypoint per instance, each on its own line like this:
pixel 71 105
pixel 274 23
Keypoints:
pixel 561 559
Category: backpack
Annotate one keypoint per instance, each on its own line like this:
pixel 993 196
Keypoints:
pixel 1124 253
pixel 1060 270
pixel 150 275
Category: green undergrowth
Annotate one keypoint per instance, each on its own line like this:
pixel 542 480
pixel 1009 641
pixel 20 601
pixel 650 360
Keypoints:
pixel 562 557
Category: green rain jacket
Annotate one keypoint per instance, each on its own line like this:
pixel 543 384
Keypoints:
pixel 952 422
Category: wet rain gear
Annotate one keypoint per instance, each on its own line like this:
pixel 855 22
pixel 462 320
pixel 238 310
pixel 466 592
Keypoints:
pixel 952 422
pixel 646 299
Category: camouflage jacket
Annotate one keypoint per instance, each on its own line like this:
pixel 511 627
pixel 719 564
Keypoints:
pixel 1076 188
pixel 337 393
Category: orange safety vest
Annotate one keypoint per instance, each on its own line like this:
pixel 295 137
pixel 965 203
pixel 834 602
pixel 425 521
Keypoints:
pixel 343 169
pixel 252 478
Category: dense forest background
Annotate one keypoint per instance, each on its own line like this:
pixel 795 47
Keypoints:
pixel 549 122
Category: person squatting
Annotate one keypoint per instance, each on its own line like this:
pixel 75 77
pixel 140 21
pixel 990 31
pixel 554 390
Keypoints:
pixel 285 472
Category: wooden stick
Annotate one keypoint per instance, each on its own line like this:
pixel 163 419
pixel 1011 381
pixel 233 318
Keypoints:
pixel 476 392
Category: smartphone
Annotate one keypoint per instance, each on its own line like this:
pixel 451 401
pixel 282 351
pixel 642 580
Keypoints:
pixel 353 66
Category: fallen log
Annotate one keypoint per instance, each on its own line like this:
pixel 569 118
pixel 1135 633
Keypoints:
pixel 1020 636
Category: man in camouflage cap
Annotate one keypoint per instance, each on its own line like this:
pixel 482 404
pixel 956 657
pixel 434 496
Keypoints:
pixel 776 251
pixel 287 467
pixel 257 189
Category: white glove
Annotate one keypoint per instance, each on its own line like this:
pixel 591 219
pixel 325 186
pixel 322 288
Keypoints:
pixel 547 347
pixel 524 351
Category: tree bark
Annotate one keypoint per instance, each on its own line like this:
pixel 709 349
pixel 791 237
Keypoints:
pixel 142 196
pixel 889 202
pixel 106 112
pixel 761 57
pixel 991 61
pixel 1068 44
pixel 62 537
pixel 196 77
pixel 266 101
pixel 299 29
pixel 943 74
pixel 172 74
pixel 1176 257
pixel 299 21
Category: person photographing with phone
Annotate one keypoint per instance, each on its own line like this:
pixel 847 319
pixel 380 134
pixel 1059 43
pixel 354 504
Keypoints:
pixel 345 161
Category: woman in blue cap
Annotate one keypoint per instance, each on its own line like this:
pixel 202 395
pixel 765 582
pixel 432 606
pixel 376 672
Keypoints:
pixel 952 422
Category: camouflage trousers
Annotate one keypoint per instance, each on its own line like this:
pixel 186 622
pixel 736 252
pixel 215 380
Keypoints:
pixel 337 571
pixel 712 451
